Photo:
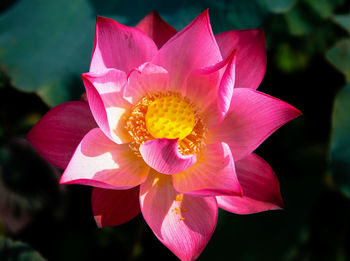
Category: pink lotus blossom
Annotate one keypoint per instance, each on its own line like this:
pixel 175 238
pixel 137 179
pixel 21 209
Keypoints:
pixel 169 129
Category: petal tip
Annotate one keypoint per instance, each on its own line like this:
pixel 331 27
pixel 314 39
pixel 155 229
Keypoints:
pixel 98 220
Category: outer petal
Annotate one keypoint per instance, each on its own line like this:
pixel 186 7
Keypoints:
pixel 59 132
pixel 163 155
pixel 114 207
pixel 105 96
pixel 99 162
pixel 120 47
pixel 260 186
pixel 191 49
pixel 156 28
pixel 144 80
pixel 213 174
pixel 182 223
pixel 252 117
pixel 251 55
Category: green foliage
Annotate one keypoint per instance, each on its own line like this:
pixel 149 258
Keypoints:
pixel 339 57
pixel 278 6
pixel 340 140
pixel 17 251
pixel 343 21
pixel 45 48
pixel 324 8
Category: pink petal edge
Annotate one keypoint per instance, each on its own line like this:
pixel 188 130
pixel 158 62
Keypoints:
pixel 182 223
pixel 213 174
pixel 114 207
pixel 192 48
pixel 251 55
pixel 99 162
pixel 105 96
pixel 120 47
pixel 145 80
pixel 253 116
pixel 203 84
pixel 260 186
pixel 156 28
pixel 216 112
pixel 163 155
pixel 59 131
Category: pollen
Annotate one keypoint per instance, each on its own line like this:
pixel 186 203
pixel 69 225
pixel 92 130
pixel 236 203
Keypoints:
pixel 166 115
pixel 179 197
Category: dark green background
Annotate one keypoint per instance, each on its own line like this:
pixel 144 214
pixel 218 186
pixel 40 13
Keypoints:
pixel 46 45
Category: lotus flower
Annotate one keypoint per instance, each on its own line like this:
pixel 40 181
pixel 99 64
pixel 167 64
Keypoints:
pixel 169 129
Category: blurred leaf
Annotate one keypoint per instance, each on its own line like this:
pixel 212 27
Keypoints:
pixel 324 8
pixel 343 21
pixel 297 21
pixel 224 15
pixel 20 165
pixel 340 140
pixel 45 43
pixel 339 57
pixel 278 6
pixel 17 251
pixel 245 14
pixel 289 60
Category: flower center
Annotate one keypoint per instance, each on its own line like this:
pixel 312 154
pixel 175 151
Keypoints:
pixel 170 117
pixel 167 115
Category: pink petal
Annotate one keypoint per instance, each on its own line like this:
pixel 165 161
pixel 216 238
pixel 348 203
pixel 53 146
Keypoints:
pixel 182 223
pixel 146 79
pixel 217 111
pixel 156 28
pixel 253 116
pixel 192 48
pixel 251 55
pixel 260 187
pixel 114 207
pixel 213 174
pixel 163 155
pixel 105 96
pixel 203 84
pixel 59 132
pixel 120 47
pixel 99 162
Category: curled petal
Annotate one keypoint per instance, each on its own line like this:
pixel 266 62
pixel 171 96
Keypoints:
pixel 251 55
pixel 192 48
pixel 99 162
pixel 59 132
pixel 146 79
pixel 105 96
pixel 120 47
pixel 218 109
pixel 182 223
pixel 213 174
pixel 163 155
pixel 252 117
pixel 203 84
pixel 260 187
pixel 156 28
pixel 114 207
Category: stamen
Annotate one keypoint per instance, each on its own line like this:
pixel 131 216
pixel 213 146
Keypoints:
pixel 167 115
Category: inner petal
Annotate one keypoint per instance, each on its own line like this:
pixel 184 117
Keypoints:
pixel 170 117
